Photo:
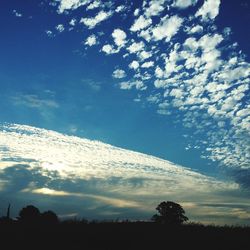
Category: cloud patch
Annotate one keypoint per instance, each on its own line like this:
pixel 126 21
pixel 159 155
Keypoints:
pixel 34 101
pixel 119 37
pixel 91 22
pixel 66 5
pixel 167 28
pixel 91 40
pixel 119 73
pixel 209 10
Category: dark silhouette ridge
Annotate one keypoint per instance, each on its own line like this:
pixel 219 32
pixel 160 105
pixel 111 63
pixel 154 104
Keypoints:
pixel 35 229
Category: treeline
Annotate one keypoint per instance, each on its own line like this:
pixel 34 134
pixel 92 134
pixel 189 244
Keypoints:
pixel 169 213
pixel 168 227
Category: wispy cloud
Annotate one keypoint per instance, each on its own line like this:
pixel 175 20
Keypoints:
pixel 34 101
pixel 17 14
pixel 94 85
pixel 60 28
pixel 102 199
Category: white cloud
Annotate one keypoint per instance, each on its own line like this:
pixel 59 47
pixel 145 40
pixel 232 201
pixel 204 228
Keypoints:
pixel 209 10
pixel 159 73
pixel 91 40
pixel 155 8
pixel 73 22
pixel 73 129
pixel 191 43
pixel 146 34
pixel 17 14
pixel 135 47
pixel 154 98
pixel 160 83
pixel 126 85
pixel 94 5
pixel 244 112
pixel 163 112
pixel 119 37
pixel 109 49
pixel 147 64
pixel 234 74
pixel 228 104
pixel 49 33
pixel 196 29
pixel 210 42
pixel 34 101
pixel 170 64
pixel 167 29
pixel 136 12
pixel 145 55
pixel 211 60
pixel 182 4
pixel 141 23
pixel 71 4
pixel 93 85
pixel 119 73
pixel 163 105
pixel 60 28
pixel 177 93
pixel 134 65
pixel 139 85
pixel 120 8
pixel 214 87
pixel 93 21
pixel 227 31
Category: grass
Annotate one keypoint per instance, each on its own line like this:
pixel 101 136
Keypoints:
pixel 77 234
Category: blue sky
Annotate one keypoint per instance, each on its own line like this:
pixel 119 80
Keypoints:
pixel 165 78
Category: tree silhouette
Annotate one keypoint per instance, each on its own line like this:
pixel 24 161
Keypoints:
pixel 29 214
pixel 49 217
pixel 170 213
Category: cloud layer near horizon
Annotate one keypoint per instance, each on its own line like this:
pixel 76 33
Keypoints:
pixel 93 179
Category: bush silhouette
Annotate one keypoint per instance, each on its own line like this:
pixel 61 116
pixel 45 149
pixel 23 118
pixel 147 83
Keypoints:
pixel 170 213
pixel 49 217
pixel 29 214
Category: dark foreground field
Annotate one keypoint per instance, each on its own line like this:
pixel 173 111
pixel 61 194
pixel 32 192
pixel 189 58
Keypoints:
pixel 125 235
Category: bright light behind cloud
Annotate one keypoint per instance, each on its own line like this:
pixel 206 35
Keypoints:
pixel 82 158
pixel 58 165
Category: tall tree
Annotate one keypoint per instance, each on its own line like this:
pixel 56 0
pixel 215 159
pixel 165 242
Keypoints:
pixel 170 213
pixel 29 214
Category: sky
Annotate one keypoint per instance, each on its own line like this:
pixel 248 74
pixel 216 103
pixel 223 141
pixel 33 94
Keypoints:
pixel 166 78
